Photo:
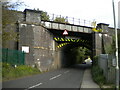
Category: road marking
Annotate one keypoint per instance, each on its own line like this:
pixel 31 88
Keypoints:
pixel 66 72
pixel 34 86
pixel 55 77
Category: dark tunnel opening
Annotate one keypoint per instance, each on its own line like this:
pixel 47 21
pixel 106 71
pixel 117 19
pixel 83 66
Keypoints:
pixel 70 54
pixel 73 54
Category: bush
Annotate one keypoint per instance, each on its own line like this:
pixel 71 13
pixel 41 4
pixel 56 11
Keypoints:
pixel 95 60
pixel 6 65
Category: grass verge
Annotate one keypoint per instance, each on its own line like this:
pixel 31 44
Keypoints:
pixel 9 72
pixel 98 76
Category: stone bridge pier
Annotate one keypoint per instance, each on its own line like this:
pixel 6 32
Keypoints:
pixel 38 42
pixel 102 39
pixel 42 48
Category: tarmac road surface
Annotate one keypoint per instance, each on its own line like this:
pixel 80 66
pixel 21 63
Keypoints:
pixel 61 78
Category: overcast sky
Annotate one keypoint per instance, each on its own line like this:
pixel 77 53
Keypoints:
pixel 100 10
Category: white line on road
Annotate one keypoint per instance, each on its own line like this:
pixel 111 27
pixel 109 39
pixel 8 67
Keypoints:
pixel 34 86
pixel 55 77
pixel 66 72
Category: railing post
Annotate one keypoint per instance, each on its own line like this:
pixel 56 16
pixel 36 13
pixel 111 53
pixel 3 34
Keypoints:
pixel 60 16
pixel 89 24
pixel 7 55
pixel 73 20
pixel 79 21
pixel 53 18
pixel 84 22
pixel 67 19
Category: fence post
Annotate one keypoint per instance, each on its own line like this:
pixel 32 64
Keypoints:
pixel 84 22
pixel 23 54
pixel 73 20
pixel 67 19
pixel 53 18
pixel 79 21
pixel 6 55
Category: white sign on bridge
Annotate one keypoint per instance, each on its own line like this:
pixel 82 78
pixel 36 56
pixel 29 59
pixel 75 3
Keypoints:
pixel 65 32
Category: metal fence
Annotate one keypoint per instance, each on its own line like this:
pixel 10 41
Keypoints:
pixel 68 23
pixel 70 20
pixel 14 57
pixel 106 63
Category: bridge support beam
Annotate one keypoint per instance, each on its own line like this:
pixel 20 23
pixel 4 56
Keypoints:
pixel 98 43
pixel 42 52
pixel 99 39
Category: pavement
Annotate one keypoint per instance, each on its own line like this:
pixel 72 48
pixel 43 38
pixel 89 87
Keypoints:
pixel 87 82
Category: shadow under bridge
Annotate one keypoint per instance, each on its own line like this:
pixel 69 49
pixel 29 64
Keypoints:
pixel 66 45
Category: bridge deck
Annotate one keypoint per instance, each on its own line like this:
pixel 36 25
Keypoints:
pixel 69 27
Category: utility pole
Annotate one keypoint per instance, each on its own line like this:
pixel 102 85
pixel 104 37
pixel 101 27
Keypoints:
pixel 116 38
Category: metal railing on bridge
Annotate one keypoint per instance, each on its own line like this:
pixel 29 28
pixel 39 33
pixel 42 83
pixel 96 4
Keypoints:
pixel 70 24
pixel 70 20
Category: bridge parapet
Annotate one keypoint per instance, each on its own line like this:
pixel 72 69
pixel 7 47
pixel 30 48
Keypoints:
pixel 70 24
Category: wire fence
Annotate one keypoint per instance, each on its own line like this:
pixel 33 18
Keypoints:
pixel 13 57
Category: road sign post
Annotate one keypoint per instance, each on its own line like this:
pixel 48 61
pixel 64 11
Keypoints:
pixel 117 66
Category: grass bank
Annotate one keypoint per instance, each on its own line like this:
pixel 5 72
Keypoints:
pixel 9 72
pixel 98 76
pixel 97 73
